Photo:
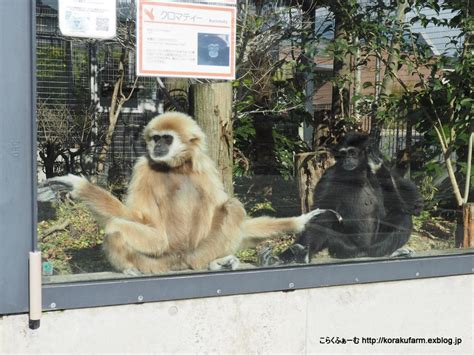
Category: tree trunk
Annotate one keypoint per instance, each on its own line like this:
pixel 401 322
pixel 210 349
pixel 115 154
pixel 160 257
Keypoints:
pixel 263 149
pixel 92 153
pixel 309 169
pixel 321 132
pixel 117 102
pixel 356 68
pixel 385 88
pixel 212 109
pixel 308 61
pixel 341 71
pixel 394 54
pixel 409 144
pixel 468 216
pixel 114 112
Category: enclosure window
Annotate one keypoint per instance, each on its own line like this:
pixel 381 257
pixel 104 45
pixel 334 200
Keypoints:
pixel 354 138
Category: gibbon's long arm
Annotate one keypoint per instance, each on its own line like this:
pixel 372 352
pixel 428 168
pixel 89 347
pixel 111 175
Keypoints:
pixel 102 203
pixel 256 229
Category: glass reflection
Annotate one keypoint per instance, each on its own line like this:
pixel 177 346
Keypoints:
pixel 287 149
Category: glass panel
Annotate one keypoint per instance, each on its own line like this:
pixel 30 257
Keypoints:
pixel 307 80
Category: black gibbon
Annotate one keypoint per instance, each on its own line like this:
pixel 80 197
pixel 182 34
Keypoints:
pixel 402 200
pixel 176 214
pixel 376 207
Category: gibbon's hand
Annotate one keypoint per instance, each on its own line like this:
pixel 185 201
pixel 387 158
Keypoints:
pixel 305 218
pixel 69 182
pixel 374 160
pixel 403 252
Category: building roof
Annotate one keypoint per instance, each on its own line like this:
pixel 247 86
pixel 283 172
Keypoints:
pixel 437 37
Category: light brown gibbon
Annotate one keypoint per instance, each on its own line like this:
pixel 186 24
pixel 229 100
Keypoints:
pixel 176 214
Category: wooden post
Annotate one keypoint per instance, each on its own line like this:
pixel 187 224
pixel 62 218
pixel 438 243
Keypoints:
pixel 176 94
pixel 309 169
pixel 468 214
pixel 212 109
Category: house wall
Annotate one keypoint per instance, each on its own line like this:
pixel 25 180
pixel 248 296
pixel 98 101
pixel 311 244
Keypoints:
pixel 277 322
pixel 323 94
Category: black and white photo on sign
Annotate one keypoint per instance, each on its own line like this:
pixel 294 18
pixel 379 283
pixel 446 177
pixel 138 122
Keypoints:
pixel 213 49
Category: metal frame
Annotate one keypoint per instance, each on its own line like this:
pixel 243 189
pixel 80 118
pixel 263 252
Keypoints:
pixel 18 215
pixel 148 289
pixel 17 151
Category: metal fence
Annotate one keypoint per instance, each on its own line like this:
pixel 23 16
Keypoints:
pixel 65 88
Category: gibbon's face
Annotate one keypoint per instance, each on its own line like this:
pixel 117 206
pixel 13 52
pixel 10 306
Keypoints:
pixel 163 146
pixel 351 158
pixel 351 152
pixel 172 138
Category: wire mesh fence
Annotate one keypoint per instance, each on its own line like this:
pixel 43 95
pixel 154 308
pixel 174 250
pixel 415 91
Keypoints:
pixel 75 82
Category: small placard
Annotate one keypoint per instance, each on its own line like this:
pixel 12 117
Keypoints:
pixel 88 18
pixel 186 39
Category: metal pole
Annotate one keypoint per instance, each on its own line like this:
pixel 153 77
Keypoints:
pixel 17 151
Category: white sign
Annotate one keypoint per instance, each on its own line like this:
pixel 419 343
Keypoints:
pixel 88 18
pixel 184 39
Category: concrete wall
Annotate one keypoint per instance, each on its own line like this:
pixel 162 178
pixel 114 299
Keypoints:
pixel 291 322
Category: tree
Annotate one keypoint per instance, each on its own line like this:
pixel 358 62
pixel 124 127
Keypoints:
pixel 64 134
pixel 126 39
pixel 275 50
pixel 440 105
pixel 445 100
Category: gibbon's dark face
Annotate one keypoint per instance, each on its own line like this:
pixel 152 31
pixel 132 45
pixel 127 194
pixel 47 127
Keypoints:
pixel 351 158
pixel 351 152
pixel 163 146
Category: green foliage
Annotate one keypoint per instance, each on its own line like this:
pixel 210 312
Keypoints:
pixel 262 206
pixel 249 255
pixel 269 86
pixel 286 148
pixel 419 221
pixel 76 248
pixel 440 104
pixel 277 245
pixel 427 189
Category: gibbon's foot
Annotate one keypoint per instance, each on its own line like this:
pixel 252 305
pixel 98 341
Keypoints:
pixel 301 253
pixel 265 258
pixel 296 253
pixel 403 253
pixel 229 262
pixel 69 181
pixel 132 272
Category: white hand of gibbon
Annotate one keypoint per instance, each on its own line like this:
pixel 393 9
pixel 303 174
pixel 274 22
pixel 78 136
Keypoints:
pixel 70 181
pixel 305 218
